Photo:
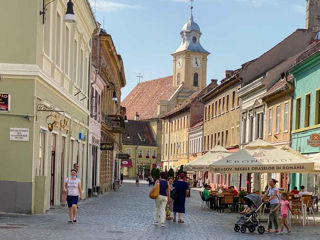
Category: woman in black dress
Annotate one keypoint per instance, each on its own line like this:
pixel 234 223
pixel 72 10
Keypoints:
pixel 182 189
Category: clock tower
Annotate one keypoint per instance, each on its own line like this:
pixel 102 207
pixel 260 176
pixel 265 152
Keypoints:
pixel 190 59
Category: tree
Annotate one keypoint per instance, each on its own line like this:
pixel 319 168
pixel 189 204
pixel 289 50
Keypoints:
pixel 155 173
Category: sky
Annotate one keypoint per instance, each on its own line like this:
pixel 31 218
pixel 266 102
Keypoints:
pixel 146 32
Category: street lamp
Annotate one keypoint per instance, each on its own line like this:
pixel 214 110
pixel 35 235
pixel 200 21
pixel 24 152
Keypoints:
pixel 126 119
pixel 114 96
pixel 69 17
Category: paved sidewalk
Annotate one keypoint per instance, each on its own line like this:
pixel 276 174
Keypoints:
pixel 127 215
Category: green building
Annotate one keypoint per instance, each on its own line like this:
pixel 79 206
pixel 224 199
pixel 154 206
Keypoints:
pixel 44 69
pixel 306 112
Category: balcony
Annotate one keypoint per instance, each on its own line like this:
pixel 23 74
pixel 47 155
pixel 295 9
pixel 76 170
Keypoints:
pixel 115 123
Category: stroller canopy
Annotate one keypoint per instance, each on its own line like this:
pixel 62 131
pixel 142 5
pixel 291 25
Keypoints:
pixel 255 199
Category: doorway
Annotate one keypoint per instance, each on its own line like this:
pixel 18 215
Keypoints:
pixel 94 167
pixel 53 168
pixel 62 172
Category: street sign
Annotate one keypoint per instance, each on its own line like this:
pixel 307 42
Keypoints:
pixel 19 134
pixel 4 102
pixel 123 156
pixel 106 146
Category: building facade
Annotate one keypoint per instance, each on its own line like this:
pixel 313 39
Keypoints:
pixel 139 143
pixel 306 112
pixel 47 80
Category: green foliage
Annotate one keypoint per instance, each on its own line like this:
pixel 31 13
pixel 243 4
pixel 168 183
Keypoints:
pixel 155 173
pixel 242 194
pixel 170 173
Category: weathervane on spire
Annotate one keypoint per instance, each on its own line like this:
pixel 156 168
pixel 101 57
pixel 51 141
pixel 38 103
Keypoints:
pixel 191 8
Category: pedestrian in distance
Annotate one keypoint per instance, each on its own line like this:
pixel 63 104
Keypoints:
pixel 170 204
pixel 284 206
pixel 74 193
pixel 182 190
pixel 272 192
pixel 76 167
pixel 161 200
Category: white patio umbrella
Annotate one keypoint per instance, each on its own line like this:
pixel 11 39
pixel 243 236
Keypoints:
pixel 203 163
pixel 262 157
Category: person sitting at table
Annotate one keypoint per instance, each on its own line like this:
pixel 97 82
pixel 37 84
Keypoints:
pixel 303 192
pixel 294 191
pixel 206 195
pixel 233 191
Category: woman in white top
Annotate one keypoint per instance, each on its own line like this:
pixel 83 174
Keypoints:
pixel 272 193
pixel 74 192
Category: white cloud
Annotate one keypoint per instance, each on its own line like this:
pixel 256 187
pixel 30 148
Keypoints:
pixel 299 8
pixel 109 6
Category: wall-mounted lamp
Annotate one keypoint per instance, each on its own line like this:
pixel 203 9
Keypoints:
pixel 125 119
pixel 114 96
pixel 69 17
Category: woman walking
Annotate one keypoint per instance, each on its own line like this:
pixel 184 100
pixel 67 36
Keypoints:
pixel 272 193
pixel 73 188
pixel 161 200
pixel 182 189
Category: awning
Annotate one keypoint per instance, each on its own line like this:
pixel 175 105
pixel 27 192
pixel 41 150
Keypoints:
pixel 263 157
pixel 126 163
pixel 203 163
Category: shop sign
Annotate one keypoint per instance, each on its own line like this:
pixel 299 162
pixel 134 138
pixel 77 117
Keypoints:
pixel 82 137
pixel 19 134
pixel 106 146
pixel 314 140
pixel 123 156
pixel 126 163
pixel 4 102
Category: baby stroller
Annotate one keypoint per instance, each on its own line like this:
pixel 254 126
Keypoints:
pixel 250 219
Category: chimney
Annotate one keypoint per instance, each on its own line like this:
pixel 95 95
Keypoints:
pixel 136 117
pixel 229 73
pixel 214 82
pixel 313 15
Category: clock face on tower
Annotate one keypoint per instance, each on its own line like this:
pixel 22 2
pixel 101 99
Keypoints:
pixel 196 62
pixel 179 63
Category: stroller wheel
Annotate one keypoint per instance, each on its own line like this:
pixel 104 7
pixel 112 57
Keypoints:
pixel 243 229
pixel 236 228
pixel 261 229
pixel 254 215
pixel 251 229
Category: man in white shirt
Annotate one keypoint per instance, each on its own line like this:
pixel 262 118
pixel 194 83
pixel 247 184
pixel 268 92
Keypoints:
pixel 303 192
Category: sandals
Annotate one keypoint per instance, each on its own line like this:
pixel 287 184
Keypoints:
pixel 180 221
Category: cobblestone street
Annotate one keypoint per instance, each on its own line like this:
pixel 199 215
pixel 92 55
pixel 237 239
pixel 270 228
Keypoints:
pixel 128 214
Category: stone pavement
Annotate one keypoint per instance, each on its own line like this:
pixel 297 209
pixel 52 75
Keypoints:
pixel 128 214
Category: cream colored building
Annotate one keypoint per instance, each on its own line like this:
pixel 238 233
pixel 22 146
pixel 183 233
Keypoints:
pixel 44 67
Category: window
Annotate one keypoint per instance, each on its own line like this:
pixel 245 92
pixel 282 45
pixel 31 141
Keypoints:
pixel 67 51
pixel 195 80
pixel 178 79
pixel 58 41
pixel 270 122
pixel 166 149
pixel 216 109
pixel 317 107
pixel 227 105
pixel 219 106
pixel 205 113
pixel 222 135
pixel 211 141
pixel 233 98
pixel 286 117
pixel 244 130
pixel 298 112
pixel 223 100
pixel 209 112
pixel 251 129
pixel 212 110
pixel 75 61
pixel 218 139
pixel 215 139
pixel 128 150
pixel 227 133
pixel 47 30
pixel 208 142
pixel 140 153
pixel 278 120
pixel 147 153
pixel 204 142
pixel 42 152
pixel 81 78
pixel 307 111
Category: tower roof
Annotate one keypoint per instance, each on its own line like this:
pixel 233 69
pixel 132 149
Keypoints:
pixel 191 25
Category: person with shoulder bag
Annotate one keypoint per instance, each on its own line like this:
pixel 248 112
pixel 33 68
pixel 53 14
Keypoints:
pixel 162 199
pixel 274 200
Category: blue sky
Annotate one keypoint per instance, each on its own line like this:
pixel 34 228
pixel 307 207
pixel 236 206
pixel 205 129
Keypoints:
pixel 146 32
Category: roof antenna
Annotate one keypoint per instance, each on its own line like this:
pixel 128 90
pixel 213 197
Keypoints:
pixel 140 76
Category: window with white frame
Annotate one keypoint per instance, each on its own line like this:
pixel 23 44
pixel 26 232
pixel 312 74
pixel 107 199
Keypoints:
pixel 128 151
pixel 270 122
pixel 278 119
pixel 286 117
pixel 81 70
pixel 67 51
pixel 47 32
pixel 75 61
pixel 58 40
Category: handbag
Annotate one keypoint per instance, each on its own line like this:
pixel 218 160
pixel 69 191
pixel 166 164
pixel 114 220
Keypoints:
pixel 154 193
pixel 173 194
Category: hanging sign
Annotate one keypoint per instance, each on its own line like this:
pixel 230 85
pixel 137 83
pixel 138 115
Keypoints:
pixel 314 140
pixel 19 134
pixel 126 163
pixel 4 102
pixel 123 156
pixel 109 146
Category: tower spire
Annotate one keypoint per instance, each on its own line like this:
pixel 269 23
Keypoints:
pixel 191 9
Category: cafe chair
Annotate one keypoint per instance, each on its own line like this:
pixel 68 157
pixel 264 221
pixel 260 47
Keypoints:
pixel 227 201
pixel 309 203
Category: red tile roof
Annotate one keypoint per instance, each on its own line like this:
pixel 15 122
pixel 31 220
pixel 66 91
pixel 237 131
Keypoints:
pixel 138 133
pixel 145 97
pixel 276 87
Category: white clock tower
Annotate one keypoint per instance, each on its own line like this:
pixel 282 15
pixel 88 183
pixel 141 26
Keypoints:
pixel 190 59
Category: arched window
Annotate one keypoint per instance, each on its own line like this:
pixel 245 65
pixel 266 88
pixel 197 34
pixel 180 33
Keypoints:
pixel 195 79
pixel 178 79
